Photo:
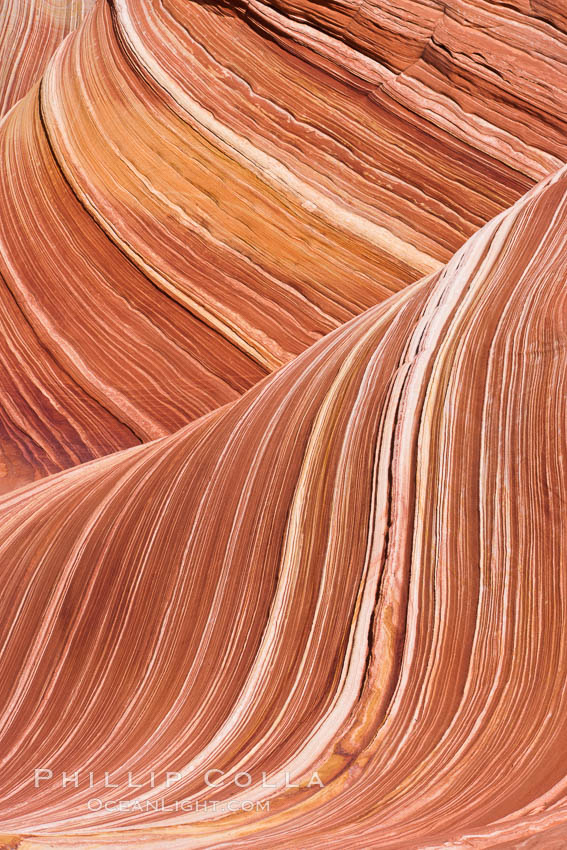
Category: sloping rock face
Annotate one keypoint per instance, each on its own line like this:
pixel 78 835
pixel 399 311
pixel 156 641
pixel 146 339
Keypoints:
pixel 283 438
pixel 195 193
pixel 30 33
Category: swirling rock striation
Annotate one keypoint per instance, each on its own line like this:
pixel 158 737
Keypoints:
pixel 194 193
pixel 358 569
pixel 280 282
pixel 30 33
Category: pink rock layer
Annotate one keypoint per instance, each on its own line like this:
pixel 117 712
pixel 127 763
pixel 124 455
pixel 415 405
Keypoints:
pixel 194 193
pixel 356 571
pixel 30 33
pixel 285 284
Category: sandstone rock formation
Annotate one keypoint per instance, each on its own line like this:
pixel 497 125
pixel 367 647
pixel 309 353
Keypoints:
pixel 30 32
pixel 195 193
pixel 283 306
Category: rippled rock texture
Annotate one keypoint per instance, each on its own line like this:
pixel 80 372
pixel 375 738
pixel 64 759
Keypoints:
pixel 195 193
pixel 30 32
pixel 283 431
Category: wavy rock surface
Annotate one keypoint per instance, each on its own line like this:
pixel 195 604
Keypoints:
pixel 280 282
pixel 358 569
pixel 30 33
pixel 195 193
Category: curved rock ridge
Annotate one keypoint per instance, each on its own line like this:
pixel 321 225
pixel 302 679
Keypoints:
pixel 30 33
pixel 492 73
pixel 351 579
pixel 194 193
